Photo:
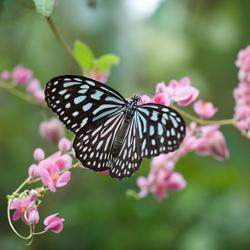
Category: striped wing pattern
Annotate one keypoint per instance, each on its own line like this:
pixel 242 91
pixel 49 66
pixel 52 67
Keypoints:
pixel 93 147
pixel 80 101
pixel 161 129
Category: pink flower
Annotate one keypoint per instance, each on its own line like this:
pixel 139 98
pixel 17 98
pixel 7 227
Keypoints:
pixel 64 145
pixel 39 95
pixel 163 161
pixel 161 183
pixel 205 109
pixel 162 94
pixel 20 205
pixel 161 88
pixel 52 130
pixel 64 161
pixel 35 89
pixel 60 160
pixel 53 179
pixel 176 182
pixel 176 91
pixel 165 180
pixel 182 91
pixel 161 98
pixel 161 178
pixel 211 142
pixel 144 99
pixel 5 75
pixel 22 75
pixel 34 170
pixel 218 146
pixel 32 215
pixel 38 154
pixel 54 223
pixel 56 160
pixel 33 86
pixel 25 208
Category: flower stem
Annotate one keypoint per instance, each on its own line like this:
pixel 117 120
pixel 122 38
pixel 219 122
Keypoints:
pixel 202 121
pixel 17 93
pixel 22 185
pixel 59 37
pixel 42 232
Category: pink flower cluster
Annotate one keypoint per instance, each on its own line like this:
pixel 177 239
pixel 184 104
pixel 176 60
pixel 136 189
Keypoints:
pixel 54 174
pixel 243 63
pixel 26 208
pixel 242 92
pixel 181 92
pixel 23 77
pixel 52 169
pixel 161 178
pixel 202 140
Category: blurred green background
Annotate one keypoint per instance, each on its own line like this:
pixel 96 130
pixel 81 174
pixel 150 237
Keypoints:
pixel 156 40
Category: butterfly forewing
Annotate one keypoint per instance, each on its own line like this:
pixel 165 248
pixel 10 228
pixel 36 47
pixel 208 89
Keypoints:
pixel 161 129
pixel 80 101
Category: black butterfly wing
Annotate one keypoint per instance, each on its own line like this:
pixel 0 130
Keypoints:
pixel 93 146
pixel 129 158
pixel 80 101
pixel 161 129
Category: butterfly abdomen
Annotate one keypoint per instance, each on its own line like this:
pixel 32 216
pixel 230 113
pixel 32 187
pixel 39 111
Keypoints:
pixel 121 134
pixel 119 138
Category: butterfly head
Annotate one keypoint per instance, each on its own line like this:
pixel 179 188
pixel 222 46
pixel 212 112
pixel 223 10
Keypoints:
pixel 136 99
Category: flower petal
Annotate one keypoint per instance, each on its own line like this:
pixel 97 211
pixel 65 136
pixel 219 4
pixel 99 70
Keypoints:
pixel 63 179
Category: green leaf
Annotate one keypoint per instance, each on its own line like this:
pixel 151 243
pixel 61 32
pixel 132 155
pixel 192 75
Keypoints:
pixel 84 55
pixel 44 7
pixel 105 62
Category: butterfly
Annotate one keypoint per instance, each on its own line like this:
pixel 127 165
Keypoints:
pixel 112 133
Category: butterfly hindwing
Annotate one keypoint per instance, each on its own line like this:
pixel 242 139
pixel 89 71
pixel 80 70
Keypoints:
pixel 80 101
pixel 161 129
pixel 93 147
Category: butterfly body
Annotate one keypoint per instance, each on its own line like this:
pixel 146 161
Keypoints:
pixel 128 115
pixel 112 133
